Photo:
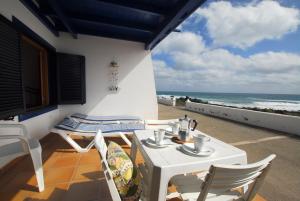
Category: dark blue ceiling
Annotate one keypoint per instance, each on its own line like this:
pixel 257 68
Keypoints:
pixel 147 21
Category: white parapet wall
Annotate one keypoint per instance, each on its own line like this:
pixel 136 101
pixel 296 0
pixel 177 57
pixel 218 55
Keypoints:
pixel 171 101
pixel 285 123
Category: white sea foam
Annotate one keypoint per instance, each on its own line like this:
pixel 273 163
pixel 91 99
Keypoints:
pixel 275 105
pixel 238 105
pixel 277 100
pixel 288 105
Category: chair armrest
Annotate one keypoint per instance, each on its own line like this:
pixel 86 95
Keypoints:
pixel 22 136
pixel 21 126
pixel 17 126
pixel 160 122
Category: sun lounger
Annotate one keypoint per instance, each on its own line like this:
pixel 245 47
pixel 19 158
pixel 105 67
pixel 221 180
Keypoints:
pixel 88 127
pixel 71 124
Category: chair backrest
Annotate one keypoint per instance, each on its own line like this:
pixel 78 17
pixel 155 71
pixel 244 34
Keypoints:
pixel 223 178
pixel 102 148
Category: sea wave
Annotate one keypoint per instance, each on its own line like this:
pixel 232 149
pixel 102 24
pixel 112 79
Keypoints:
pixel 274 105
pixel 277 100
pixel 288 105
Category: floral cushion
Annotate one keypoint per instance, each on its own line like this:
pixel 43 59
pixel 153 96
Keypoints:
pixel 124 173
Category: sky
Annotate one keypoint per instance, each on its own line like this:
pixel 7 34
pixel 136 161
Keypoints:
pixel 237 46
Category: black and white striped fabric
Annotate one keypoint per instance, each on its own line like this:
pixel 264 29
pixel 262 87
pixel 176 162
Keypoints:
pixel 71 124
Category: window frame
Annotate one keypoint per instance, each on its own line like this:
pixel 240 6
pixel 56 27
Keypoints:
pixel 53 86
pixel 27 32
pixel 44 75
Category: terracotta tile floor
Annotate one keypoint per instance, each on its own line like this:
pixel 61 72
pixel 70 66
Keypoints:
pixel 69 176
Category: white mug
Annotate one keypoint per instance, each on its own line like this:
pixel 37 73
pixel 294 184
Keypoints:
pixel 199 141
pixel 159 136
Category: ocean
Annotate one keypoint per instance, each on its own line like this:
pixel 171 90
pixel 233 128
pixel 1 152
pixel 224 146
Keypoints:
pixel 287 102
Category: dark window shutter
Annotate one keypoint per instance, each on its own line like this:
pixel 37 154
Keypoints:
pixel 71 78
pixel 11 90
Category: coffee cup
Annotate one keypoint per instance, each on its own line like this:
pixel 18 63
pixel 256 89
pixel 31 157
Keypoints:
pixel 159 136
pixel 199 141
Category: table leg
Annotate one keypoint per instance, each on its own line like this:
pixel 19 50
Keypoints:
pixel 159 185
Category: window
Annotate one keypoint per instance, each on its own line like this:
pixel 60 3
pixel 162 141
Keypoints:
pixel 35 74
pixel 34 78
pixel 71 78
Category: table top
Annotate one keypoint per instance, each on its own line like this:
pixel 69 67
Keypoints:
pixel 172 156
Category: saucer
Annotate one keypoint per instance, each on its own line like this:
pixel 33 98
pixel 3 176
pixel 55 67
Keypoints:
pixel 189 149
pixel 151 142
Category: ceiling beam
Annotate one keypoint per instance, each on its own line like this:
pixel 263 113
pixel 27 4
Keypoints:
pixel 30 5
pixel 107 21
pixel 112 25
pixel 106 34
pixel 136 6
pixel 114 31
pixel 180 13
pixel 62 17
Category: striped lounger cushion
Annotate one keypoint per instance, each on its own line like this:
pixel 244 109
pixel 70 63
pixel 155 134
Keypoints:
pixel 72 124
pixel 106 118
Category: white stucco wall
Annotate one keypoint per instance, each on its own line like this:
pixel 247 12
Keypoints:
pixel 137 94
pixel 166 100
pixel 285 123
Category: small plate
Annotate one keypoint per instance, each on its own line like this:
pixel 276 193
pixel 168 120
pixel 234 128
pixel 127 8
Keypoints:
pixel 151 142
pixel 189 148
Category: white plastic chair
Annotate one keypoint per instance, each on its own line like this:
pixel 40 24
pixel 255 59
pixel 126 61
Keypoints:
pixel 23 145
pixel 159 124
pixel 102 148
pixel 222 182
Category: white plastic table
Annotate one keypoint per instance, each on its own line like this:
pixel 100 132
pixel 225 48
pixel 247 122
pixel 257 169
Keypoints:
pixel 164 163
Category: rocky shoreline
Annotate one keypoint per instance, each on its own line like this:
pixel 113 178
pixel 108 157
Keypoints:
pixel 181 102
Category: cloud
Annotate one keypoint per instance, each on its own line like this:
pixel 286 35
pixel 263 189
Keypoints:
pixel 220 70
pixel 274 62
pixel 227 79
pixel 187 42
pixel 185 62
pixel 215 58
pixel 242 26
pixel 161 70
